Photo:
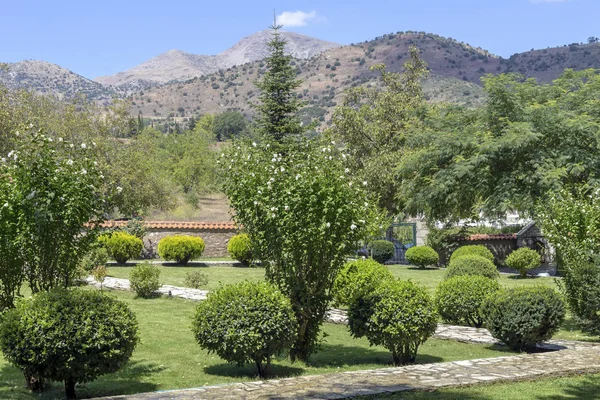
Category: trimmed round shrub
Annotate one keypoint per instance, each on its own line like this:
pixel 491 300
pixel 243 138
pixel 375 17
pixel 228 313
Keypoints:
pixel 523 317
pixel 382 250
pixel 122 246
pixel 181 248
pixel 239 248
pixel 70 336
pixel 398 315
pixel 472 265
pixel 459 299
pixel 246 323
pixel 195 279
pixel 422 256
pixel 581 287
pixel 523 260
pixel 144 279
pixel 357 278
pixel 472 250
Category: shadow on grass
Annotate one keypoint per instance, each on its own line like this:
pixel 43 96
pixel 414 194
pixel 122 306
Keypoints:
pixel 527 278
pixel 126 381
pixel 339 355
pixel 586 388
pixel 249 371
pixel 423 269
pixel 200 264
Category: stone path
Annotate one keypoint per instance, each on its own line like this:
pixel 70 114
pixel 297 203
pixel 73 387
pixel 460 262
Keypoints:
pixel 176 291
pixel 415 377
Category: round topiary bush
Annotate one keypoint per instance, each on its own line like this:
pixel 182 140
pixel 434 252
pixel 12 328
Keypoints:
pixel 398 315
pixel 246 323
pixel 73 336
pixel 357 278
pixel 472 265
pixel 523 260
pixel 122 246
pixel 581 287
pixel 180 248
pixel 422 256
pixel 239 248
pixel 523 317
pixel 144 279
pixel 459 299
pixel 382 250
pixel 472 250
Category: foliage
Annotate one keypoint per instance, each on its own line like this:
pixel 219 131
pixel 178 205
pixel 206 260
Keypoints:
pixel 522 317
pixel 581 287
pixel 278 105
pixel 530 140
pixel 446 240
pixel 398 315
pixel 246 323
pixel 144 279
pixel 72 336
pixel 135 227
pixel 303 215
pixel 472 250
pixel 122 246
pixel 356 278
pixel 422 256
pixel 373 124
pixel 196 279
pixel 95 257
pixel 523 260
pixel 459 299
pixel 55 195
pixel 239 248
pixel 472 265
pixel 229 125
pixel 181 248
pixel 382 250
pixel 100 273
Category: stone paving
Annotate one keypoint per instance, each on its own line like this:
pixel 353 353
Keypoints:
pixel 573 358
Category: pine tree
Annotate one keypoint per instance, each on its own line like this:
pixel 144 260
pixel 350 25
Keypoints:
pixel 277 110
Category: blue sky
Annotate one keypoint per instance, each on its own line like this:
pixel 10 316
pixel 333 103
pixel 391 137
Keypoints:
pixel 93 38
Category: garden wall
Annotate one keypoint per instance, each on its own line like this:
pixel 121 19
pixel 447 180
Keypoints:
pixel 501 245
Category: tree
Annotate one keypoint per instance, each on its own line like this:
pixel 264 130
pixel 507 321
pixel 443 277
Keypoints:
pixel 593 39
pixel 278 105
pixel 229 125
pixel 373 124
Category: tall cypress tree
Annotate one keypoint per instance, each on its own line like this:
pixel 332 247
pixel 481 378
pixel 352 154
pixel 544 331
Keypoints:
pixel 277 110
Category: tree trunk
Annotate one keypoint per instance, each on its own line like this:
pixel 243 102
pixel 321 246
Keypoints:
pixel 34 383
pixel 70 389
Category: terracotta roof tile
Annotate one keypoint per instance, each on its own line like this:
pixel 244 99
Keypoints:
pixel 495 236
pixel 174 225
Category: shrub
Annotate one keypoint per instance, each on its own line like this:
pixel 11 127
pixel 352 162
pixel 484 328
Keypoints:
pixel 523 260
pixel 144 279
pixel 472 250
pixel 398 315
pixel 246 323
pixel 99 273
pixel 239 248
pixel 382 250
pixel 357 278
pixel 445 240
pixel 95 257
pixel 72 336
pixel 181 249
pixel 422 256
pixel 195 279
pixel 459 299
pixel 523 317
pixel 472 265
pixel 122 246
pixel 581 287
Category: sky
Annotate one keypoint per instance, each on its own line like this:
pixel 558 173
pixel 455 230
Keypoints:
pixel 93 38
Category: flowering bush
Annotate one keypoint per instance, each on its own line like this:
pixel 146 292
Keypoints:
pixel 55 190
pixel 303 215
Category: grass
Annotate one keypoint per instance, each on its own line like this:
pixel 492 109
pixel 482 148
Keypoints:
pixel 169 358
pixel 578 387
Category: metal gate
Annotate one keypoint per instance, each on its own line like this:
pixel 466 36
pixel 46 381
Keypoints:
pixel 403 236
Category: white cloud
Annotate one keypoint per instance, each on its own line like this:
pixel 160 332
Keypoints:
pixel 297 18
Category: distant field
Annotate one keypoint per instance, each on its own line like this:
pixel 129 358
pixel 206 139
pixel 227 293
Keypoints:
pixel 211 208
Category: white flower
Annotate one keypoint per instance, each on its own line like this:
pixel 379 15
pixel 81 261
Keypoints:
pixel 324 149
pixel 6 204
pixel 60 139
pixel 83 171
pixel 94 144
pixel 273 159
pixel 364 183
pixel 71 145
pixel 333 142
pixel 95 163
pixel 286 208
pixel 273 208
pixel 222 154
pixel 30 126
pixel 83 146
pixel 268 145
pixel 69 162
pixel 282 169
pixel 362 221
pixel 50 139
pixel 273 215
pixel 11 153
pixel 353 227
pixel 3 159
pixel 101 176
pixel 298 176
pixel 252 174
pixel 347 170
pixel 119 189
pixel 17 133
pixel 253 144
pixel 328 225
pixel 255 202
pixel 350 184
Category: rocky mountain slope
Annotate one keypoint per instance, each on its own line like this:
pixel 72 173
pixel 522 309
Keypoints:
pixel 177 65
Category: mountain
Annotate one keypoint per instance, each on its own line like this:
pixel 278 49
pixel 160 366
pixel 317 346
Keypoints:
pixel 46 78
pixel 177 65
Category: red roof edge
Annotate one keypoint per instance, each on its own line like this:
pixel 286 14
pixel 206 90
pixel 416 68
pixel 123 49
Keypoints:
pixel 176 225
pixel 493 236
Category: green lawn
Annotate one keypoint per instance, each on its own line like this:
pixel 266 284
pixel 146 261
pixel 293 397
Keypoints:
pixel 578 387
pixel 169 358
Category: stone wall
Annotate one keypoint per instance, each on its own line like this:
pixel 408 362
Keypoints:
pixel 215 240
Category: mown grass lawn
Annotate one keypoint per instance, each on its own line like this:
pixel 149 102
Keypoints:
pixel 169 358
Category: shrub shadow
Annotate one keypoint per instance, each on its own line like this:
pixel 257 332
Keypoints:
pixel 201 264
pixel 423 269
pixel 249 370
pixel 339 355
pixel 588 389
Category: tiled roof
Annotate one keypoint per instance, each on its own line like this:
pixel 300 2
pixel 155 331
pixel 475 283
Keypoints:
pixel 495 236
pixel 177 225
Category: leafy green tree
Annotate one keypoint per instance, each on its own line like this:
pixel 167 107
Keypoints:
pixel 373 124
pixel 278 104
pixel 229 125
